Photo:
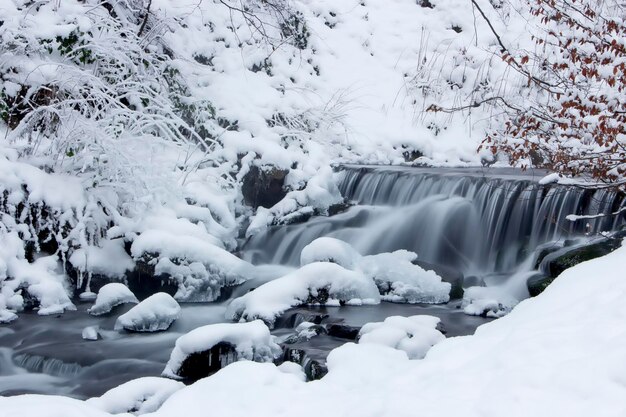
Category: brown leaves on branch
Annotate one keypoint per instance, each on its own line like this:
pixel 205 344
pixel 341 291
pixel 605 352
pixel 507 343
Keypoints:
pixel 576 123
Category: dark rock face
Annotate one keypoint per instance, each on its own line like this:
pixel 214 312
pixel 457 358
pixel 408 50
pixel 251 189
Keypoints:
pixel 313 368
pixel 538 283
pixel 263 188
pixel 343 331
pixel 554 263
pixel 199 365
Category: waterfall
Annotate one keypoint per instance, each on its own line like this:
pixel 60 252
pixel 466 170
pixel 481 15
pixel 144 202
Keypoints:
pixel 482 223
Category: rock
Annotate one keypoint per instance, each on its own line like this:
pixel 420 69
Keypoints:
pixel 343 331
pixel 263 188
pixel 557 262
pixel 155 313
pixel 537 283
pixel 201 364
pixel 314 369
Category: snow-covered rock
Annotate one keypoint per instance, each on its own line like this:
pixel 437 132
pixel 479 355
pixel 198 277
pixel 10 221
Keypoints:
pixel 414 335
pixel 139 396
pixel 199 265
pixel 317 283
pixel 249 341
pixel 7 316
pixel 91 333
pixel 153 314
pixel 328 249
pixel 399 280
pixel 397 277
pixel 491 302
pixel 111 295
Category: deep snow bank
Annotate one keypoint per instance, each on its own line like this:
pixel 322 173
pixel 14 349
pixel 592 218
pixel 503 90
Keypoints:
pixel 560 353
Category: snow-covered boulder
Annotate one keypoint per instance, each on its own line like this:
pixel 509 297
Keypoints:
pixel 139 396
pixel 401 281
pixel 207 349
pixel 155 313
pixel 91 333
pixel 198 263
pixel 414 335
pixel 111 295
pixel 7 316
pixel 328 249
pixel 317 283
pixel 396 276
pixel 491 302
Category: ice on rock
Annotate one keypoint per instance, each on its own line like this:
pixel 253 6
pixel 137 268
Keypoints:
pixel 139 396
pixel 250 341
pixel 111 295
pixel 315 283
pixel 155 313
pixel 414 335
pixel 91 333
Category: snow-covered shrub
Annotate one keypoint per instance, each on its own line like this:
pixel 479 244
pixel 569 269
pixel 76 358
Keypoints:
pixel 248 341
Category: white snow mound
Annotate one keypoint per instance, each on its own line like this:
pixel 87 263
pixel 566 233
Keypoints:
pixel 414 335
pixel 139 396
pixel 316 283
pixel 153 314
pixel 111 295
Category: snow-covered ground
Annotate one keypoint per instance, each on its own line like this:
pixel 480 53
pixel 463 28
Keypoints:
pixel 560 353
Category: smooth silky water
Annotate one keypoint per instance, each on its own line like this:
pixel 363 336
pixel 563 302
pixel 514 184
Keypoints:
pixel 483 224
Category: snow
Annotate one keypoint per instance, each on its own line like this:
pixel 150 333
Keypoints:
pixel 155 313
pixel 319 282
pixel 560 353
pixel 252 341
pixel 414 335
pixel 200 267
pixel 111 295
pixel 91 333
pixel 110 259
pixel 139 396
pixel 328 249
pixel 399 280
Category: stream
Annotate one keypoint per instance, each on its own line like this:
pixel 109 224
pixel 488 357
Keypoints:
pixel 482 226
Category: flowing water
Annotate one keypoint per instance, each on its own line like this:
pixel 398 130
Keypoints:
pixel 482 224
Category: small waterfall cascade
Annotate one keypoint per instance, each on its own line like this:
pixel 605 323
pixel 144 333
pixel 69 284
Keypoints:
pixel 484 223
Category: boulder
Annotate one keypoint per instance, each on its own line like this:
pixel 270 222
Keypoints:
pixel 263 187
